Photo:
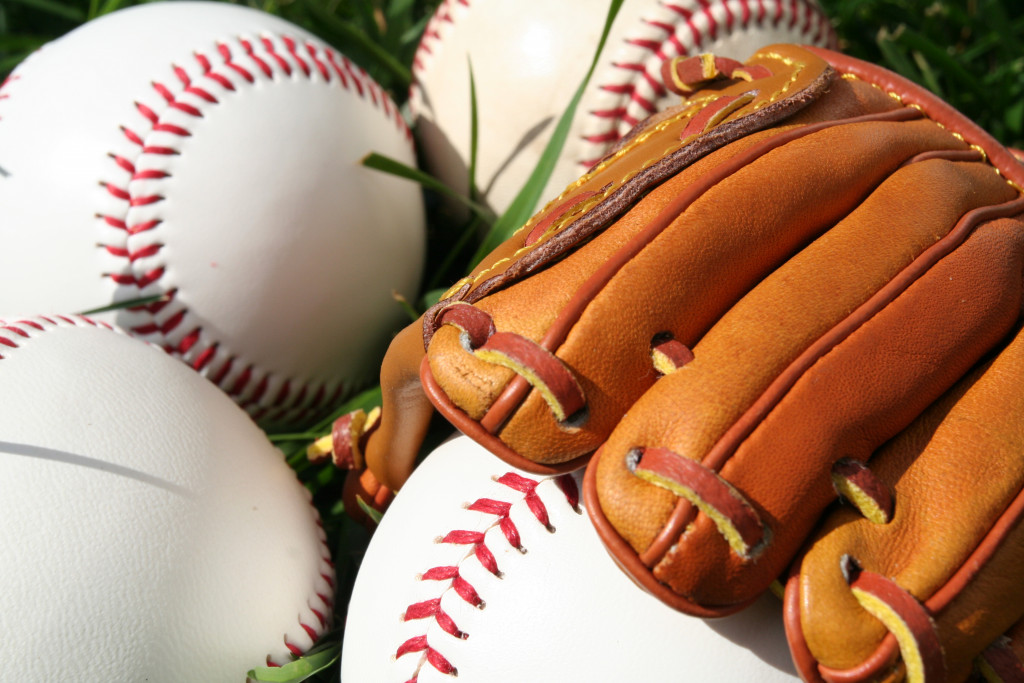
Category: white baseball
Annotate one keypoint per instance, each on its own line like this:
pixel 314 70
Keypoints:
pixel 150 532
pixel 498 575
pixel 528 58
pixel 211 153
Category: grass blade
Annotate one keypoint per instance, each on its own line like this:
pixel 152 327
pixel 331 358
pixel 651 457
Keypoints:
pixel 127 303
pixel 299 670
pixel 939 59
pixel 108 7
pixel 347 30
pixel 379 162
pixel 23 44
pixel 522 207
pixel 55 8
pixel 474 132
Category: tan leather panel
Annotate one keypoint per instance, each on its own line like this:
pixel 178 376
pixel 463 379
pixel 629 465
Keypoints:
pixel 624 317
pixel 762 334
pixel 470 383
pixel 530 306
pixel 827 246
pixel 793 70
pixel 406 414
pixel 855 398
pixel 974 434
pixel 847 97
pixel 688 307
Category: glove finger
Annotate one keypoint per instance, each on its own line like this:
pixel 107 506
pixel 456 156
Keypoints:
pixel 841 398
pixel 766 416
pixel 956 550
pixel 598 309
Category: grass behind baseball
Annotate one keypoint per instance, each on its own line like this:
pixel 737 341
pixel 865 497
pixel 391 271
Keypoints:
pixel 968 52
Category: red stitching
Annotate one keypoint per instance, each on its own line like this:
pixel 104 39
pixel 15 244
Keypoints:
pixel 206 356
pixel 356 80
pixel 282 393
pixel 239 384
pixel 433 657
pixel 337 69
pixel 609 124
pixel 321 614
pixel 264 67
pixel 431 610
pixel 42 324
pixel 618 119
pixel 282 63
pixel 123 163
pixel 147 112
pixel 163 91
pixel 261 388
pixel 320 66
pixel 4 95
pixel 172 323
pixel 297 57
pixel 167 151
pixel 225 52
pixel 118 192
pixel 143 226
pixel 293 51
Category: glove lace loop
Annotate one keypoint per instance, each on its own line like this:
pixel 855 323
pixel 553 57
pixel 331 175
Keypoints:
pixel 732 514
pixel 541 368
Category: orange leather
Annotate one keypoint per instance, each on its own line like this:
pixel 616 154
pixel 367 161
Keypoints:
pixel 838 248
pixel 975 433
pixel 405 418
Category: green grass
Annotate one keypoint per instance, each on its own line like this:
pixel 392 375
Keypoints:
pixel 968 52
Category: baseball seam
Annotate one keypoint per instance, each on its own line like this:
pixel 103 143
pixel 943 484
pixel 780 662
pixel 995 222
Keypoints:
pixel 320 602
pixel 13 333
pixel 245 63
pixel 633 83
pixel 693 107
pixel 4 91
pixel 450 577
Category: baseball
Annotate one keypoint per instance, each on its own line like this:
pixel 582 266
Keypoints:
pixel 150 531
pixel 529 57
pixel 497 575
pixel 210 154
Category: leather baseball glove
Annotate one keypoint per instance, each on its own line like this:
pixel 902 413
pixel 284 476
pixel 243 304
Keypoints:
pixel 803 283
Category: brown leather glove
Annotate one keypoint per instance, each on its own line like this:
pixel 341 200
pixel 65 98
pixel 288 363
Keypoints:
pixel 934 555
pixel 754 294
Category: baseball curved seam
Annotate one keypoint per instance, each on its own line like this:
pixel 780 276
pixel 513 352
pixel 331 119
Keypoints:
pixel 681 32
pixel 320 603
pixel 688 112
pixel 264 60
pixel 4 93
pixel 12 333
pixel 478 551
pixel 636 83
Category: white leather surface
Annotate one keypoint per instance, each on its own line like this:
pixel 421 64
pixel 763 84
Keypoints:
pixel 529 56
pixel 560 612
pixel 281 249
pixel 150 532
